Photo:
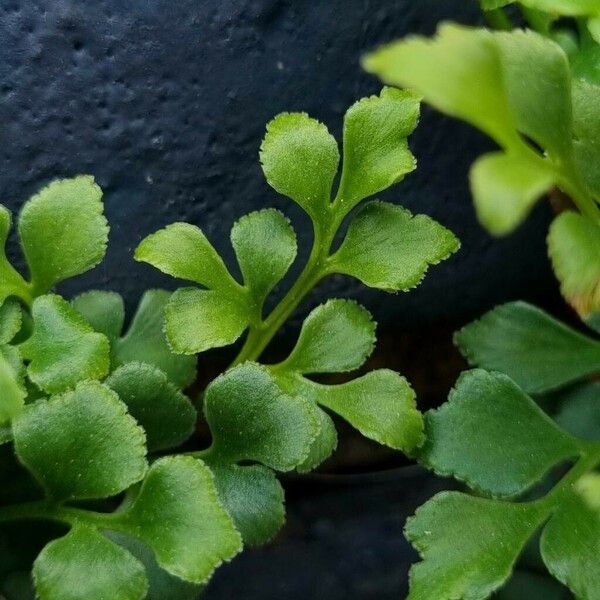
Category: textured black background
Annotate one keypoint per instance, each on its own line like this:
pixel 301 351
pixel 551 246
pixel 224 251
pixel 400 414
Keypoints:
pixel 166 102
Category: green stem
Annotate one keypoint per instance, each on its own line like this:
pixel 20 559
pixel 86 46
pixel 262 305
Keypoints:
pixel 48 511
pixel 497 19
pixel 567 179
pixel 27 297
pixel 582 199
pixel 20 288
pixel 589 461
pixel 315 269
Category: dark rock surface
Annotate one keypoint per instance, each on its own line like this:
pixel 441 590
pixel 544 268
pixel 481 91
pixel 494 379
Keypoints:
pixel 166 103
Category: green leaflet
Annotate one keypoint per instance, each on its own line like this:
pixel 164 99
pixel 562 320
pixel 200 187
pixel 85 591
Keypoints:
pixel 81 444
pixel 265 247
pixel 487 424
pixel 14 359
pixel 579 411
pixel 5 434
pixel 539 98
pixel 177 513
pixel 586 125
pixel 571 539
pixel 584 55
pixel 11 318
pixel 326 441
pixel 197 320
pixel 182 250
pixel 537 351
pixel 167 415
pixel 381 404
pixel 386 247
pixel 300 159
pixel 12 390
pixel 492 435
pixel 144 341
pixel 506 186
pixel 26 328
pixel 253 497
pixel 104 311
pixel 63 231
pixel 459 73
pixel 376 153
pixel 250 418
pixel 11 282
pixel 63 348
pixel 336 336
pixel 85 564
pixel 468 545
pixel 515 86
pixel 594 26
pixel 574 248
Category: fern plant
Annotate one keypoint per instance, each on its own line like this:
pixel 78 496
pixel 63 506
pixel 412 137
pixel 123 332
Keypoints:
pixel 519 88
pixel 522 430
pixel 92 416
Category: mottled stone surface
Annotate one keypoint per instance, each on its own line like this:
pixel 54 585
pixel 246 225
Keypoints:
pixel 165 103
